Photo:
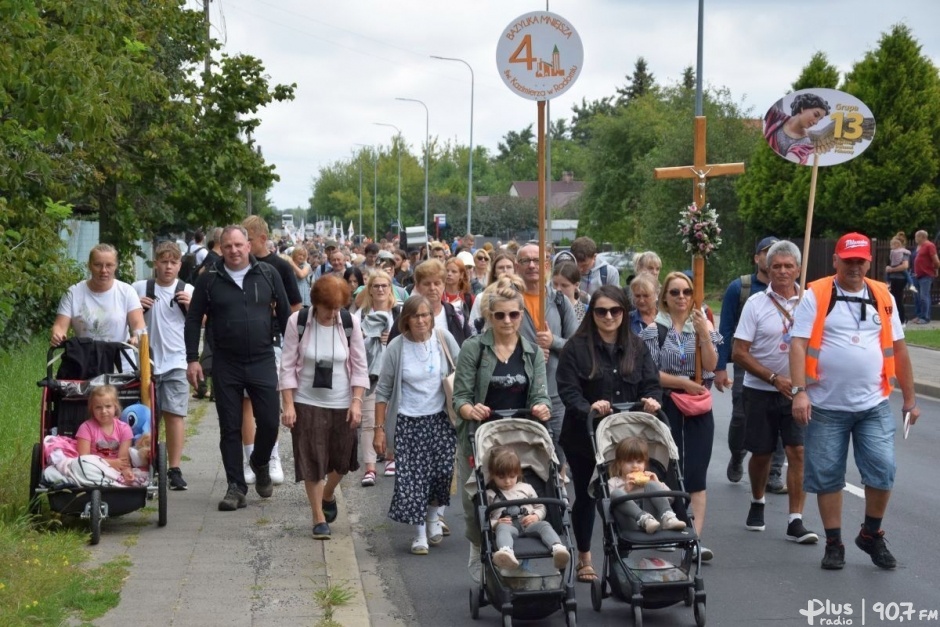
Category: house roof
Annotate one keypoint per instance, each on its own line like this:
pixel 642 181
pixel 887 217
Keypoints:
pixel 530 189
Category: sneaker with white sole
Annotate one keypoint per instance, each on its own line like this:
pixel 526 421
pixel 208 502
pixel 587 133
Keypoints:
pixel 755 518
pixel 560 556
pixel 796 532
pixel 249 473
pixel 505 558
pixel 672 523
pixel 647 523
pixel 390 468
pixel 277 472
pixel 707 553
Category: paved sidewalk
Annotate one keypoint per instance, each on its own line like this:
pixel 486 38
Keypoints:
pixel 925 361
pixel 254 567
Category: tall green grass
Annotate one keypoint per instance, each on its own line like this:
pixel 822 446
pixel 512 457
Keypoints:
pixel 42 578
pixel 20 400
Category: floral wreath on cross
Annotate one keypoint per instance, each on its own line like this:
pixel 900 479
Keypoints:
pixel 699 230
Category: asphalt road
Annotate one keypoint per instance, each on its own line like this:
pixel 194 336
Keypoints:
pixel 755 578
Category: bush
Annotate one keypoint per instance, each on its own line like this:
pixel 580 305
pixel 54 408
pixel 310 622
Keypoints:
pixel 36 269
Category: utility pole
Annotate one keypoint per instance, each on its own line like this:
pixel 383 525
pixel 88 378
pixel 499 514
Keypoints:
pixel 205 10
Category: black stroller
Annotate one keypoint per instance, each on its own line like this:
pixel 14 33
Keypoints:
pixel 644 580
pixel 65 407
pixel 539 590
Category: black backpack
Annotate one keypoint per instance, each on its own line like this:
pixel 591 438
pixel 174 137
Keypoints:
pixel 152 293
pixel 344 315
pixel 189 269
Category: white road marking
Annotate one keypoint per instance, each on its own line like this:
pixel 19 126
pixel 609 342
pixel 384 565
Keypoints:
pixel 857 491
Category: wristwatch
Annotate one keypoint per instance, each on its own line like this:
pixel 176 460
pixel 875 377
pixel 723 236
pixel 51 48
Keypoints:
pixel 796 389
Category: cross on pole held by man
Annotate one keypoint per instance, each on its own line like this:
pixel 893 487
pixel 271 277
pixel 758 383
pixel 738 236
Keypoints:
pixel 700 171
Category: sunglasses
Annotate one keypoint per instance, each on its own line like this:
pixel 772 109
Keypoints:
pixel 603 312
pixel 482 258
pixel 675 292
pixel 513 315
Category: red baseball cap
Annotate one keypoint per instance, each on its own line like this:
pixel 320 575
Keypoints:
pixel 854 246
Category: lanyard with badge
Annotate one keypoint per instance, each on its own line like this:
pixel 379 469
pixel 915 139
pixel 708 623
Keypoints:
pixel 786 319
pixel 848 300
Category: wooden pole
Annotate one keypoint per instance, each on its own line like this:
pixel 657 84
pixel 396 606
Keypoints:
pixel 807 233
pixel 143 365
pixel 541 201
pixel 698 262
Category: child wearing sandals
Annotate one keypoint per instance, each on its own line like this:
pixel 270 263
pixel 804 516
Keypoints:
pixel 628 475
pixel 505 470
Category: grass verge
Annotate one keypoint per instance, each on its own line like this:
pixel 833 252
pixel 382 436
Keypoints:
pixel 926 338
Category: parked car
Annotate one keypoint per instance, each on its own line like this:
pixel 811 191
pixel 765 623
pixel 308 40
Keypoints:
pixel 622 260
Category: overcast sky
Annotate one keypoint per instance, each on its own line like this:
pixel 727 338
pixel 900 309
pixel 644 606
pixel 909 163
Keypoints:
pixel 352 58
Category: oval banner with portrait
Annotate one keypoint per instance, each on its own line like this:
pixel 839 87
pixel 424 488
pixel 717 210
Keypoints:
pixel 833 124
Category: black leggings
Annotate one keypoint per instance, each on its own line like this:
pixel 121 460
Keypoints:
pixel 897 287
pixel 581 468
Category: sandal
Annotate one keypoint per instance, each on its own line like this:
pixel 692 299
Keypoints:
pixel 368 478
pixel 586 573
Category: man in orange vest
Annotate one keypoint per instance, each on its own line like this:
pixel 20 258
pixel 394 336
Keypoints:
pixel 847 350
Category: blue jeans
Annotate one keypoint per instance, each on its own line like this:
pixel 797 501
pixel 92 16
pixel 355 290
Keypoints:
pixel 827 446
pixel 922 304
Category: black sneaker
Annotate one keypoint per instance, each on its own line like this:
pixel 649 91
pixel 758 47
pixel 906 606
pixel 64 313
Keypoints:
pixel 877 547
pixel 234 499
pixel 755 517
pixel 330 510
pixel 796 532
pixel 735 468
pixel 263 484
pixel 834 558
pixel 175 477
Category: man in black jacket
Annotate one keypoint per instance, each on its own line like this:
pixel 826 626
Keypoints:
pixel 243 300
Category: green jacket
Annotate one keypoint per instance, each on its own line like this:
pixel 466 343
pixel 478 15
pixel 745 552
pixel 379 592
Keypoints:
pixel 475 367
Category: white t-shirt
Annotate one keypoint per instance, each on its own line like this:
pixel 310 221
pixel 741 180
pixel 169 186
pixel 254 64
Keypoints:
pixel 440 321
pixel 99 315
pixel 165 322
pixel 849 371
pixel 238 275
pixel 421 391
pixel 327 344
pixel 768 330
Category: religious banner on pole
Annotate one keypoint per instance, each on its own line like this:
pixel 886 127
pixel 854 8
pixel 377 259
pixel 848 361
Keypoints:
pixel 539 57
pixel 818 127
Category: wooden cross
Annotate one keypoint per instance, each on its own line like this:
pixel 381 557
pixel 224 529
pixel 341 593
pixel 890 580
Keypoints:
pixel 700 171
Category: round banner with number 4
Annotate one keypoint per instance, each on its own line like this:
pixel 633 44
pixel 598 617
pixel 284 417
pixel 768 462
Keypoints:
pixel 830 123
pixel 539 55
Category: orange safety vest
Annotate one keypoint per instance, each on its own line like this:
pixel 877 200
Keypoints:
pixel 822 289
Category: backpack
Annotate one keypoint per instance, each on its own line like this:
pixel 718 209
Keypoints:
pixel 344 315
pixel 189 269
pixel 152 293
pixel 745 294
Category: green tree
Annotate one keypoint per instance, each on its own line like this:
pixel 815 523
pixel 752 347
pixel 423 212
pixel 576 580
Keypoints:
pixel 584 114
pixel 640 83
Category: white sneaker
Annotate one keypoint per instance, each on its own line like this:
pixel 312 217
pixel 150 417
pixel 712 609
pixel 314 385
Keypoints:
pixel 505 558
pixel 474 565
pixel 671 523
pixel 912 289
pixel 277 473
pixel 560 556
pixel 647 523
pixel 249 473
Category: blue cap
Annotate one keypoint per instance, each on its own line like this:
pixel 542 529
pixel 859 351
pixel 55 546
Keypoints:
pixel 766 243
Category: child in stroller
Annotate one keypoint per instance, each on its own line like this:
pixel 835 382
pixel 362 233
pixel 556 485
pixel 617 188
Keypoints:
pixel 513 521
pixel 628 474
pixel 104 434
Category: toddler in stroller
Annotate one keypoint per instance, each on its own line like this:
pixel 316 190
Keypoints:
pixel 628 474
pixel 513 521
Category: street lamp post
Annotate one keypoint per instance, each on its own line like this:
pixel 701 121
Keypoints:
pixel 397 130
pixel 470 176
pixel 427 150
pixel 375 192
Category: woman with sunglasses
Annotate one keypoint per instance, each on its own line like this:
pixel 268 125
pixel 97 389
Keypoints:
pixel 603 363
pixel 680 331
pixel 497 370
pixel 504 263
pixel 377 313
pixel 480 272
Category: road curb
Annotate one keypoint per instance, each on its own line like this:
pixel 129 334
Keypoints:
pixel 342 568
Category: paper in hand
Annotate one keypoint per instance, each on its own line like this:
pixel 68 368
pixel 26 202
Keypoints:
pixel 907 424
